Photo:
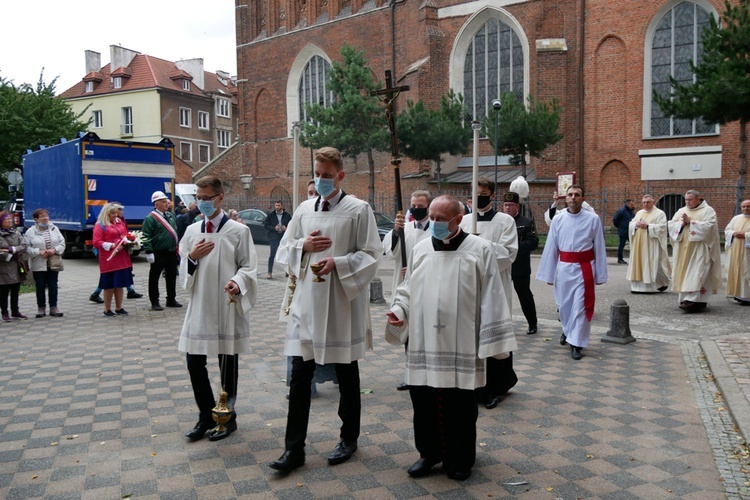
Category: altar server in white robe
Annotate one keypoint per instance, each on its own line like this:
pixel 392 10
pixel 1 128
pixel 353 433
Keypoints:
pixel 574 260
pixel 499 229
pixel 453 313
pixel 737 240
pixel 696 253
pixel 218 264
pixel 329 321
pixel 649 270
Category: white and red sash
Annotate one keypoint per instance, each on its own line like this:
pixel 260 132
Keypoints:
pixel 164 222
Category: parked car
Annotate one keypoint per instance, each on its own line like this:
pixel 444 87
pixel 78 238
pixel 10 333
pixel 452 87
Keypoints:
pixel 254 219
pixel 385 224
pixel 15 208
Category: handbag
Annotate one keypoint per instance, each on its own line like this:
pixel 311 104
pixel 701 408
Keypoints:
pixel 55 263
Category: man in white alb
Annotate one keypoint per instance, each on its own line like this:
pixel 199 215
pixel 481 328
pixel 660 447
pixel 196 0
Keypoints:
pixel 649 270
pixel 737 239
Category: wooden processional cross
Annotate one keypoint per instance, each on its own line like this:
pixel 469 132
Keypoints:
pixel 388 95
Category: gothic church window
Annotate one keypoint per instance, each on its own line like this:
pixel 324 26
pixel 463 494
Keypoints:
pixel 313 86
pixel 675 44
pixel 494 63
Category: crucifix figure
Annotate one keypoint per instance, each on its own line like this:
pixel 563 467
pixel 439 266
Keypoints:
pixel 388 95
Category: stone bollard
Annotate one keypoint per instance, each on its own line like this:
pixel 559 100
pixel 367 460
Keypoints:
pixel 376 291
pixel 619 324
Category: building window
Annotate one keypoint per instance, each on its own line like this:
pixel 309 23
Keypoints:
pixel 186 151
pixel 117 82
pixel 222 107
pixel 224 138
pixel 675 45
pixel 494 63
pixel 313 86
pixel 204 153
pixel 185 117
pixel 203 120
pixel 96 119
pixel 126 125
pixel 89 86
pixel 185 84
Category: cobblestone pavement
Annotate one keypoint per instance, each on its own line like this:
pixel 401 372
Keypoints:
pixel 93 407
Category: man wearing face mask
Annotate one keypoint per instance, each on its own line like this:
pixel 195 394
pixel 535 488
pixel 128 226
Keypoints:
pixel 414 232
pixel 453 313
pixel 329 315
pixel 499 229
pixel 218 269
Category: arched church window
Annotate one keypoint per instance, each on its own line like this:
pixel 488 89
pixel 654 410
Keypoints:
pixel 675 44
pixel 313 85
pixel 494 64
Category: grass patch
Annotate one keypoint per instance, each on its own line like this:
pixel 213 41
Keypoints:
pixel 28 287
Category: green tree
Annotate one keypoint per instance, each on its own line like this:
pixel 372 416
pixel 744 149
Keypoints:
pixel 426 134
pixel 32 116
pixel 523 130
pixel 355 123
pixel 720 92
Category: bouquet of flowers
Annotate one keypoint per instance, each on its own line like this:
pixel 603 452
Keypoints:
pixel 138 240
pixel 128 242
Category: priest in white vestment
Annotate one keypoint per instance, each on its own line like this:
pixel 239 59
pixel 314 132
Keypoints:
pixel 696 253
pixel 737 240
pixel 499 229
pixel 218 268
pixel 453 313
pixel 574 260
pixel 329 315
pixel 649 270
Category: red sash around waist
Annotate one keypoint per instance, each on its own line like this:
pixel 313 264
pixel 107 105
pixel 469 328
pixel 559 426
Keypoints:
pixel 584 258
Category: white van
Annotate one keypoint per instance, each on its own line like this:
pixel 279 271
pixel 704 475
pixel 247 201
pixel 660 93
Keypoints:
pixel 185 193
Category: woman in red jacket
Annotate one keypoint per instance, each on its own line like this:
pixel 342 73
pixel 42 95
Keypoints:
pixel 111 238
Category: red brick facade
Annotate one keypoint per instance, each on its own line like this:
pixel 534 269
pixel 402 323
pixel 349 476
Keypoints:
pixel 602 135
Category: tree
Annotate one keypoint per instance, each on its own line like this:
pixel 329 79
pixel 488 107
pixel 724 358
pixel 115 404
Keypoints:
pixel 31 117
pixel 523 129
pixel 355 123
pixel 426 134
pixel 720 92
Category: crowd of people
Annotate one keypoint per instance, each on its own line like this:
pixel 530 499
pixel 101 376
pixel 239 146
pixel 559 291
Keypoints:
pixel 454 275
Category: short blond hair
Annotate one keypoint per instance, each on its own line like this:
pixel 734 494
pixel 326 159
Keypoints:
pixel 330 155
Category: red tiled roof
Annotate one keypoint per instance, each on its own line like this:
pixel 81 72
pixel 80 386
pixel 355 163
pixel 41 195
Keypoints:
pixel 94 76
pixel 147 72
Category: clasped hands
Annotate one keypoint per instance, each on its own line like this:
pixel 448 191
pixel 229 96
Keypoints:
pixel 317 243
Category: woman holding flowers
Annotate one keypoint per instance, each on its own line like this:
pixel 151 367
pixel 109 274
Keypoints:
pixel 111 238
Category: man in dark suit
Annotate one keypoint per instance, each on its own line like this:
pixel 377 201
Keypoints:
pixel 276 222
pixel 520 271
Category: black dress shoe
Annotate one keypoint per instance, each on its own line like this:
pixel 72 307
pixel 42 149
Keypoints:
pixel 132 294
pixel 621 261
pixel 563 339
pixel 342 452
pixel 229 428
pixel 403 386
pixel 492 401
pixel 575 353
pixel 532 330
pixel 199 430
pixel 422 466
pixel 459 475
pixel 289 461
pixel 662 288
pixel 156 307
pixel 173 303
pixel 96 298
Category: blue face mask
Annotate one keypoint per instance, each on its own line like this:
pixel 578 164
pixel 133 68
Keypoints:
pixel 206 207
pixel 440 229
pixel 43 225
pixel 324 187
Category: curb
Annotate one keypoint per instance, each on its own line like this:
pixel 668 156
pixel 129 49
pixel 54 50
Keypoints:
pixel 738 405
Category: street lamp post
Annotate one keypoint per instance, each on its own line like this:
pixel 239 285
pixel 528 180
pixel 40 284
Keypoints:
pixel 496 105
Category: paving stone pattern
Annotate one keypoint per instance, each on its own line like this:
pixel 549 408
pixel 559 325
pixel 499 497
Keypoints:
pixel 94 407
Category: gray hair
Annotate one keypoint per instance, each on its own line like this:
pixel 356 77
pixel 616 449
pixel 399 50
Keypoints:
pixel 422 192
pixel 693 192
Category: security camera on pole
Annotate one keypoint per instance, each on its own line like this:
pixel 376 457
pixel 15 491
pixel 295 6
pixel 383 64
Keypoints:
pixel 496 105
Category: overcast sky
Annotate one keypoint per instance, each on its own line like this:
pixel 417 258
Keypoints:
pixel 53 34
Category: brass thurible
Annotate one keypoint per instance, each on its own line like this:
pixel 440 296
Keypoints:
pixel 222 413
pixel 292 287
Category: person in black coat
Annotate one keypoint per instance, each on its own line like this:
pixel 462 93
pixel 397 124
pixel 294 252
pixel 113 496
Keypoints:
pixel 621 221
pixel 520 271
pixel 275 224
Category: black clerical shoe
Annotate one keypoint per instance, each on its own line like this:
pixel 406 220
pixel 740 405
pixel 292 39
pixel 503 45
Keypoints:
pixel 575 353
pixel 173 303
pixel 229 428
pixel 132 294
pixel 492 402
pixel 422 466
pixel 199 430
pixel 289 461
pixel 459 475
pixel 563 339
pixel 156 307
pixel 342 452
pixel 532 330
pixel 403 386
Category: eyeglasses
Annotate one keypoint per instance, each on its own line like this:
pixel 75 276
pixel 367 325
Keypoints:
pixel 208 198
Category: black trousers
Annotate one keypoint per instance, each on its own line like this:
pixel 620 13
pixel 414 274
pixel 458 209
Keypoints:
pixel 522 285
pixel 350 403
pixel 501 377
pixel 273 242
pixel 13 290
pixel 445 426
pixel 46 280
pixel 164 260
pixel 204 395
pixel 621 246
